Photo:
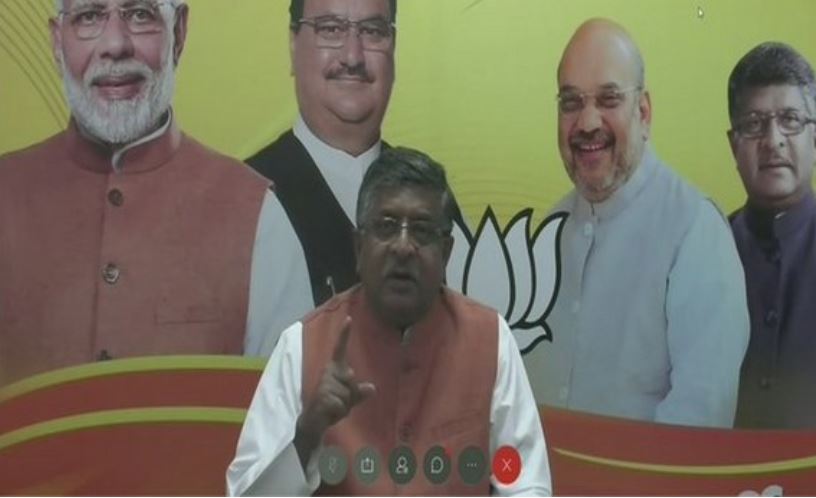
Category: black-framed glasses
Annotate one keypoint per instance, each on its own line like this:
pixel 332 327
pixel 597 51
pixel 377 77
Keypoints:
pixel 421 232
pixel 756 124
pixel 570 101
pixel 140 18
pixel 375 34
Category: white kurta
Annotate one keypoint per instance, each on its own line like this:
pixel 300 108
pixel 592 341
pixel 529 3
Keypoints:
pixel 651 320
pixel 279 289
pixel 266 462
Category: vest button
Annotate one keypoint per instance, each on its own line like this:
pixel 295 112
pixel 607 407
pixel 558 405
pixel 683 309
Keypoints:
pixel 115 197
pixel 764 382
pixel 406 431
pixel 771 318
pixel 563 393
pixel 110 273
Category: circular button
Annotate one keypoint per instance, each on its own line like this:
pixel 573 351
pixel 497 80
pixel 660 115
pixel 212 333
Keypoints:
pixel 472 465
pixel 402 465
pixel 367 465
pixel 771 318
pixel 115 197
pixel 437 465
pixel 506 465
pixel 588 229
pixel 563 393
pixel 764 382
pixel 110 273
pixel 405 432
pixel 332 465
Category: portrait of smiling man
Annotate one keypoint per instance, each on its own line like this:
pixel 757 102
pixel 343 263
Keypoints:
pixel 772 107
pixel 650 321
pixel 121 235
pixel 342 56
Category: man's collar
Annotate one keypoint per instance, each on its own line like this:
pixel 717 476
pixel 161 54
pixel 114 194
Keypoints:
pixel 320 148
pixel 626 193
pixel 768 225
pixel 342 172
pixel 425 329
pixel 146 153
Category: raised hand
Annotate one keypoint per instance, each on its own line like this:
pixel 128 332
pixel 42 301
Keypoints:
pixel 337 393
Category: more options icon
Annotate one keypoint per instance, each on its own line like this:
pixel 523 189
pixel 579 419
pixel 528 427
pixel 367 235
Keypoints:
pixel 472 465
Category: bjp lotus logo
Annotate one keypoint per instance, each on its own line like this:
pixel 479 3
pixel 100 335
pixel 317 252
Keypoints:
pixel 515 270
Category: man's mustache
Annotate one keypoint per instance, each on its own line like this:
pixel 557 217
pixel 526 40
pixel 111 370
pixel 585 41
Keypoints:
pixel 358 72
pixel 107 69
pixel 593 137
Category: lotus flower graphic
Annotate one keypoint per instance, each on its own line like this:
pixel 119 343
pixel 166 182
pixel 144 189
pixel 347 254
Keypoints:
pixel 515 270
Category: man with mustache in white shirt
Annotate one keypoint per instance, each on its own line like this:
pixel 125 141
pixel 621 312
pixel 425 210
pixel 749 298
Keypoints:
pixel 342 55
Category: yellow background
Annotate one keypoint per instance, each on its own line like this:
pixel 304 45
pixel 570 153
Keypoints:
pixel 475 83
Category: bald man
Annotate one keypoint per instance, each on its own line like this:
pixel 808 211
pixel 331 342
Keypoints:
pixel 651 320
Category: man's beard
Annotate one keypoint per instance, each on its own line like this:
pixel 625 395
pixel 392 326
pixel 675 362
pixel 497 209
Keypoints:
pixel 120 121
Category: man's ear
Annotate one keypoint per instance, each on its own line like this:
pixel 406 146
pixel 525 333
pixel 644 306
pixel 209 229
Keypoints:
pixel 358 247
pixel 732 141
pixel 292 35
pixel 814 134
pixel 645 106
pixel 447 248
pixel 56 42
pixel 180 32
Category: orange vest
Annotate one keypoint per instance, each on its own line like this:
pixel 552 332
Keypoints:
pixel 435 388
pixel 96 264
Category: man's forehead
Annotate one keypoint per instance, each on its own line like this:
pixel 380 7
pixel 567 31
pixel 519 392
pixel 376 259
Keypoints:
pixel 583 77
pixel 73 4
pixel 774 97
pixel 407 200
pixel 352 9
pixel 608 86
pixel 598 57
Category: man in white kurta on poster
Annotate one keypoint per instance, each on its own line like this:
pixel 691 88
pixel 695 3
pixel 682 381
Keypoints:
pixel 650 320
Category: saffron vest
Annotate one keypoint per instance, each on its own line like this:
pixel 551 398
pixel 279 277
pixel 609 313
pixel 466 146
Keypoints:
pixel 96 264
pixel 434 387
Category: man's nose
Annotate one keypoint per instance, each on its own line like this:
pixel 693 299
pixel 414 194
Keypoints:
pixel 403 244
pixel 115 41
pixel 773 136
pixel 353 53
pixel 589 117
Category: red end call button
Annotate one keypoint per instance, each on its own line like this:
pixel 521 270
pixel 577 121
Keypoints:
pixel 506 465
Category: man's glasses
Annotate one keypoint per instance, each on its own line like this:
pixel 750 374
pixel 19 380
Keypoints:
pixel 140 18
pixel 756 124
pixel 332 32
pixel 570 102
pixel 421 232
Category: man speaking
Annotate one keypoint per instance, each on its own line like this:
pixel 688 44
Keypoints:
pixel 397 367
